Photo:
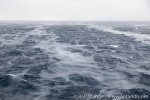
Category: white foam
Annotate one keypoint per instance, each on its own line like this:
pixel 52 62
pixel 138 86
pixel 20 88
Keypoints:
pixel 141 25
pixel 115 46
pixel 144 38
pixel 71 62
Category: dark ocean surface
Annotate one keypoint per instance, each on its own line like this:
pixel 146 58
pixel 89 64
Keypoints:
pixel 74 60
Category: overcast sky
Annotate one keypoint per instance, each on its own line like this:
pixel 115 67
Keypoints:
pixel 102 10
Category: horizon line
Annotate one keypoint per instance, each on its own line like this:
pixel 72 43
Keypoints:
pixel 79 20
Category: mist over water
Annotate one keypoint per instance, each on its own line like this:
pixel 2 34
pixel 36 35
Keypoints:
pixel 55 61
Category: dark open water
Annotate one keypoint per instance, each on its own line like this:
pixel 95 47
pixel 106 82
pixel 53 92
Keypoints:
pixel 66 61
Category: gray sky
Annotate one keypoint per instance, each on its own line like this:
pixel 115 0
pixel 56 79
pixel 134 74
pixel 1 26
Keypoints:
pixel 104 10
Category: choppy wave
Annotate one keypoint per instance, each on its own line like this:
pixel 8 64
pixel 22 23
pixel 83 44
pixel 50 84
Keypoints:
pixel 56 62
